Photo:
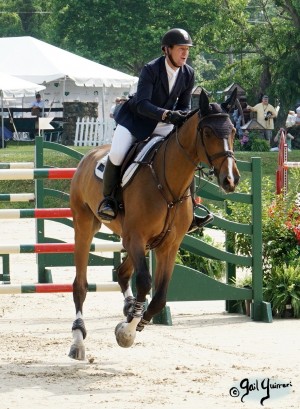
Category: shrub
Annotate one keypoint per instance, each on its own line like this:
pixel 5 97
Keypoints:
pixel 282 289
pixel 280 225
pixel 253 142
pixel 211 267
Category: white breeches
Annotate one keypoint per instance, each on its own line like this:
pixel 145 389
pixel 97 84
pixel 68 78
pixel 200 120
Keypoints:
pixel 123 139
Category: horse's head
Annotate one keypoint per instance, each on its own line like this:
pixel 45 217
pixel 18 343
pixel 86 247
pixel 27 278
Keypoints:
pixel 217 136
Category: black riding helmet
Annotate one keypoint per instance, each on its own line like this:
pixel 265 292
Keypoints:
pixel 176 36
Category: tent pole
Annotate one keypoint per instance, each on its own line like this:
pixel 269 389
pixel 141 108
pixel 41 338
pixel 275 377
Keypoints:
pixel 2 121
pixel 64 89
pixel 103 110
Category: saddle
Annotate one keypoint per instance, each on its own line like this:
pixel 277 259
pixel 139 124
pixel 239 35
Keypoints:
pixel 140 153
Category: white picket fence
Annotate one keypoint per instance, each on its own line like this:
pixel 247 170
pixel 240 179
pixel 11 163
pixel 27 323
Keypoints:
pixel 93 132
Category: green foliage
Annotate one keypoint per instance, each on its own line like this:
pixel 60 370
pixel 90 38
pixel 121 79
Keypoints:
pixel 280 225
pixel 253 142
pixel 260 145
pixel 282 288
pixel 212 268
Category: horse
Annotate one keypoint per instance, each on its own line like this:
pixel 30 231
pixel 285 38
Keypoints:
pixel 156 212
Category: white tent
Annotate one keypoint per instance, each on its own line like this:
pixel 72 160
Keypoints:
pixel 37 61
pixel 13 87
pixel 68 77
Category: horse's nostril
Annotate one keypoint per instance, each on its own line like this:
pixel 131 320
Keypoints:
pixel 229 183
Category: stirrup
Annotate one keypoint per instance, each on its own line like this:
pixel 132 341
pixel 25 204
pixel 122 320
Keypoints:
pixel 198 222
pixel 108 209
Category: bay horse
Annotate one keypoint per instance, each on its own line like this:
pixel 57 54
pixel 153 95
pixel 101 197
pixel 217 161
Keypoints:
pixel 156 213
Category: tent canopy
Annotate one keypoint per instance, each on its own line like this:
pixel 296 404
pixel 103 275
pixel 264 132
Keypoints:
pixel 40 62
pixel 13 87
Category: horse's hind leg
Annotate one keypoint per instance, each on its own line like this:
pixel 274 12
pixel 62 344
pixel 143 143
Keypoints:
pixel 85 227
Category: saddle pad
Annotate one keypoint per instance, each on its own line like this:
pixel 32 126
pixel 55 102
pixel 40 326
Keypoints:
pixel 130 171
pixel 100 166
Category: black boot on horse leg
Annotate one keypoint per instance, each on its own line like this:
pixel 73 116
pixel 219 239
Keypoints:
pixel 108 207
pixel 198 222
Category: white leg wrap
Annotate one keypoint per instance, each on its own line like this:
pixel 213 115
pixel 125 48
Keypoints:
pixel 128 292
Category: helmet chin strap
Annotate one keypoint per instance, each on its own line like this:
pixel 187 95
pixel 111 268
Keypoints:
pixel 171 59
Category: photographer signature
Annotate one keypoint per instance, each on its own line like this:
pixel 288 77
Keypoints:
pixel 247 387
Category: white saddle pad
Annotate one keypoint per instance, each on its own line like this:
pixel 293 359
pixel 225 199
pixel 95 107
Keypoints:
pixel 100 165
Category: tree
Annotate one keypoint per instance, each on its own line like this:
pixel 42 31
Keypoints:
pixel 24 18
pixel 124 35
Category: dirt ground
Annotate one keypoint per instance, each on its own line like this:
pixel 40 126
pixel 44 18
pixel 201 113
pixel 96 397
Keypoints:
pixel 206 359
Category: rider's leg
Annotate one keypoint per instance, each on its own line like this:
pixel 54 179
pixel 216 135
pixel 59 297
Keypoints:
pixel 121 142
pixel 198 221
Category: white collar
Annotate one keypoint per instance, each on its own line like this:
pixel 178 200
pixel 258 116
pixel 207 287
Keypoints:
pixel 171 73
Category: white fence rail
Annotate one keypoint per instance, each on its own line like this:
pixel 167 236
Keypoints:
pixel 93 132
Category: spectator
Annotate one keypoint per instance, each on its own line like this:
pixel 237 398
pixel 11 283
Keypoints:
pixel 118 106
pixel 37 107
pixel 293 118
pixel 111 113
pixel 265 116
pixel 288 138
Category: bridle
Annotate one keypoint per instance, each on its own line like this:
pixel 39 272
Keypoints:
pixel 210 158
pixel 224 154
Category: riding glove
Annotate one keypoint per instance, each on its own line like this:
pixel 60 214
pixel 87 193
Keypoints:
pixel 175 117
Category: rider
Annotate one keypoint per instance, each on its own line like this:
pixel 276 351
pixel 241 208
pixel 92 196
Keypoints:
pixel 162 100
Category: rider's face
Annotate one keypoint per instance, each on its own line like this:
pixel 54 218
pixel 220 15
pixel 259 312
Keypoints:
pixel 179 55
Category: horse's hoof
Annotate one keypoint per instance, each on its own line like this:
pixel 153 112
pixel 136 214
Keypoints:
pixel 125 335
pixel 77 352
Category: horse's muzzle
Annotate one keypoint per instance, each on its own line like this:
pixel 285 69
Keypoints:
pixel 229 183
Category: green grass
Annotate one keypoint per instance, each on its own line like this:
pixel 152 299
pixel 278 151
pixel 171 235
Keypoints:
pixel 269 160
pixel 24 152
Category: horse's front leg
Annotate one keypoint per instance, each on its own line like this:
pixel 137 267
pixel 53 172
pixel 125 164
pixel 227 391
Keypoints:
pixel 165 259
pixel 126 331
pixel 85 226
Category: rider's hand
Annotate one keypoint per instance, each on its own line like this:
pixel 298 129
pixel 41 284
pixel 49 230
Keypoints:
pixel 175 117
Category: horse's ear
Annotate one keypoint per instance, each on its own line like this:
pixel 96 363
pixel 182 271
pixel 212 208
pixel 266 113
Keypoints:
pixel 230 101
pixel 203 103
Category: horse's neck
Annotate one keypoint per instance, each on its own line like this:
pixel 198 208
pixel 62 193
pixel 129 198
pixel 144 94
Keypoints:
pixel 181 157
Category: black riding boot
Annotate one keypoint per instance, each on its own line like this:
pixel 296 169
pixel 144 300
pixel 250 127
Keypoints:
pixel 108 208
pixel 198 221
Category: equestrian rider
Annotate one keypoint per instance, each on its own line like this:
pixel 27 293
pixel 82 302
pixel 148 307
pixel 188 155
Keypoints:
pixel 162 100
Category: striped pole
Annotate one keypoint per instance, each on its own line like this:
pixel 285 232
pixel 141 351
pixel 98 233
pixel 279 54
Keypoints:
pixel 288 165
pixel 30 174
pixel 44 248
pixel 17 165
pixel 55 288
pixel 53 213
pixel 17 197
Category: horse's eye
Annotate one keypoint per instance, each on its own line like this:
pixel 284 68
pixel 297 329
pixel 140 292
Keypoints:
pixel 207 132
